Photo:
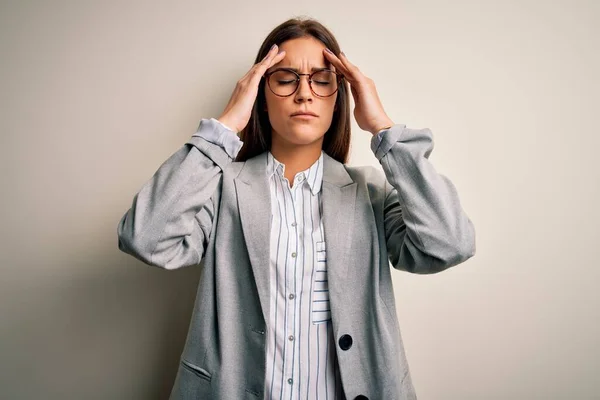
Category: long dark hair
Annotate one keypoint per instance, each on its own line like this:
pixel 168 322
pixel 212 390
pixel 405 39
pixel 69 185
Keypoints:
pixel 257 133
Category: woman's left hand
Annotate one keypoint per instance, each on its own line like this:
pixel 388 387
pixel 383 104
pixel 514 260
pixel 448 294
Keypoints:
pixel 368 110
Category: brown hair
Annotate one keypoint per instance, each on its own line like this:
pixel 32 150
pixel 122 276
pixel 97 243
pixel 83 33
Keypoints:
pixel 257 133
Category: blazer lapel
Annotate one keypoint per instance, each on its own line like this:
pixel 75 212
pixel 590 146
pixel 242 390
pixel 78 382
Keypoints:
pixel 339 207
pixel 254 202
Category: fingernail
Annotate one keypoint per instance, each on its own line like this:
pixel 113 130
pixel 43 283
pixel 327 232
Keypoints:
pixel 329 51
pixel 342 53
pixel 272 47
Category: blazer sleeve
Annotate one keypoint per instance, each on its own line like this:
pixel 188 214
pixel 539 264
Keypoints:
pixel 426 229
pixel 171 217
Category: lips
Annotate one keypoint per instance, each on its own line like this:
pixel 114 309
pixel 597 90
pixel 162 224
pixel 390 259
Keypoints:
pixel 305 113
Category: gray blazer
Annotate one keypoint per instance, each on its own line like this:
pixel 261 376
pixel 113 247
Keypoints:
pixel 200 206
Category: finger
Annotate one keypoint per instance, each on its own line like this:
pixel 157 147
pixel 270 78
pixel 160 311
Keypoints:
pixel 265 61
pixel 353 69
pixel 259 68
pixel 269 53
pixel 278 57
pixel 273 53
pixel 338 64
pixel 352 74
pixel 270 62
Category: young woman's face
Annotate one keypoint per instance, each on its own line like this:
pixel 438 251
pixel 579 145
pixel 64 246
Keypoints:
pixel 302 54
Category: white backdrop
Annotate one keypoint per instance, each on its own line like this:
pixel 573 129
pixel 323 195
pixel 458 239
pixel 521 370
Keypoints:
pixel 96 95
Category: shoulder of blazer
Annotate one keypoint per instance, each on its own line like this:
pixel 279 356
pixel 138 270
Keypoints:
pixel 370 178
pixel 367 175
pixel 233 169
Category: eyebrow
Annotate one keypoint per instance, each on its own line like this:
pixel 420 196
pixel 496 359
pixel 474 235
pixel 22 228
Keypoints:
pixel 297 70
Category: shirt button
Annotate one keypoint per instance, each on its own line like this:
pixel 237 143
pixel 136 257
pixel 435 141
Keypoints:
pixel 294 224
pixel 293 254
pixel 292 296
pixel 290 381
pixel 291 337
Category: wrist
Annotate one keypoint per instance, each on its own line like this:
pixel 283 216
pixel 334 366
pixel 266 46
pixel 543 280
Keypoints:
pixel 383 125
pixel 228 124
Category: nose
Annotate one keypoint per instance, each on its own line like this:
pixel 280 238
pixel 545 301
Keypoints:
pixel 303 92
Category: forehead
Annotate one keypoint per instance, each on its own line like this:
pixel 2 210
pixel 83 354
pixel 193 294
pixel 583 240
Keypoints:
pixel 303 54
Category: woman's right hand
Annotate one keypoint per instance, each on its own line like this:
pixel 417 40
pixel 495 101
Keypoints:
pixel 239 109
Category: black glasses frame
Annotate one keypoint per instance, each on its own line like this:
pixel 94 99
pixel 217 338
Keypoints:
pixel 339 78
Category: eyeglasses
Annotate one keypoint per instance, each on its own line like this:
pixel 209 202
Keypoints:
pixel 284 82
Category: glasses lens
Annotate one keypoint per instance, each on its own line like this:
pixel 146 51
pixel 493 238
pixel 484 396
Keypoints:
pixel 324 83
pixel 284 83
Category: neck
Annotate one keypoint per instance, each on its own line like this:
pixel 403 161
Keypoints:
pixel 296 157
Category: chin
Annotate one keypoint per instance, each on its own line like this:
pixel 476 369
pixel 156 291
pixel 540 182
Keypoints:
pixel 304 136
pixel 300 134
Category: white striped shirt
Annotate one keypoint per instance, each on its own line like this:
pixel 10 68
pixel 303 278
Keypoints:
pixel 301 358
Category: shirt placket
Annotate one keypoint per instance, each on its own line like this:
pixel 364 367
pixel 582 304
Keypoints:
pixel 290 288
pixel 294 281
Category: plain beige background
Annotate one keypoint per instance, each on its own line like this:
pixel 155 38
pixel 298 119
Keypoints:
pixel 94 96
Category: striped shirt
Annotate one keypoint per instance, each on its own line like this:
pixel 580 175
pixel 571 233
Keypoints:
pixel 300 349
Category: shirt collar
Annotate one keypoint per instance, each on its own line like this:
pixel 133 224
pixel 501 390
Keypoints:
pixel 313 174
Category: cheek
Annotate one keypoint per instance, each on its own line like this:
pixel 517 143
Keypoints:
pixel 274 104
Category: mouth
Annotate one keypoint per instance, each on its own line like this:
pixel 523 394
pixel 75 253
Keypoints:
pixel 304 116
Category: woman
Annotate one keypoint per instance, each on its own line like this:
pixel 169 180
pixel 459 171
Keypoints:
pixel 295 299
